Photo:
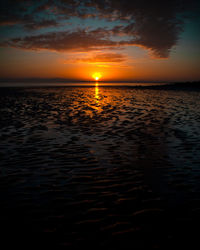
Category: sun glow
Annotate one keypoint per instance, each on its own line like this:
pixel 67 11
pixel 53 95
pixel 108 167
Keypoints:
pixel 96 76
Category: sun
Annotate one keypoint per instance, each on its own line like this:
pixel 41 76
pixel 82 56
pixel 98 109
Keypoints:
pixel 96 76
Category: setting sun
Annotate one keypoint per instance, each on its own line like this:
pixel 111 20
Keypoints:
pixel 96 76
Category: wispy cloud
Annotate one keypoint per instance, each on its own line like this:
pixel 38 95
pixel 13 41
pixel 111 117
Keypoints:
pixel 103 58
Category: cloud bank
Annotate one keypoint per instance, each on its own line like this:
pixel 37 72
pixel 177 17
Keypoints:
pixel 154 25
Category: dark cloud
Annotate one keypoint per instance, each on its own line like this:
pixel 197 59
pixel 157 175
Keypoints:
pixel 32 25
pixel 153 24
pixel 62 41
pixel 14 12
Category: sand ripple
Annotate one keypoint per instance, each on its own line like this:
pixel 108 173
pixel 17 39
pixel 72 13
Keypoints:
pixel 104 166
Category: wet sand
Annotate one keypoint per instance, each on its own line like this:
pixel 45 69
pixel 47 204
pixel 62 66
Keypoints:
pixel 100 167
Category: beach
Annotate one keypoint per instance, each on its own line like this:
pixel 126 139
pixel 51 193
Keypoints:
pixel 100 166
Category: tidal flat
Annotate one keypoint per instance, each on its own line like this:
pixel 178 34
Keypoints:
pixel 100 167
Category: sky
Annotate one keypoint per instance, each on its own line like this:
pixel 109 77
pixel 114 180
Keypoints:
pixel 121 40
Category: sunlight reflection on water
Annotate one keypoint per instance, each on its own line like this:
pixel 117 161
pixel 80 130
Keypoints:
pixel 97 92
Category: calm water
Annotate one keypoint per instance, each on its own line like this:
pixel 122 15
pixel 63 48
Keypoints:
pixel 100 167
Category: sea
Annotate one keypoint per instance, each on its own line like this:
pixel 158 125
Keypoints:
pixel 99 165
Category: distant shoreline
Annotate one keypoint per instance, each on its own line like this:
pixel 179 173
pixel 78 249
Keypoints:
pixel 136 85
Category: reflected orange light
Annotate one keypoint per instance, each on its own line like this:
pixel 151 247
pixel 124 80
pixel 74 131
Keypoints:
pixel 97 93
pixel 96 76
pixel 97 97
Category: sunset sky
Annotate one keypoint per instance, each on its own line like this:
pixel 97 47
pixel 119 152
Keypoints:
pixel 134 40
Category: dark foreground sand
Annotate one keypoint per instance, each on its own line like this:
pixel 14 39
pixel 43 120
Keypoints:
pixel 100 167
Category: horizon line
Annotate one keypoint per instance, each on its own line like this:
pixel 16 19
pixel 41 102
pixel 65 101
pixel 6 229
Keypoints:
pixel 67 80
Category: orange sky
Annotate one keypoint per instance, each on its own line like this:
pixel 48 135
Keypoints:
pixel 131 63
pixel 121 40
pixel 112 66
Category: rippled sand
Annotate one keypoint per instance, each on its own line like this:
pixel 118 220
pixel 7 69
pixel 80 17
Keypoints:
pixel 100 167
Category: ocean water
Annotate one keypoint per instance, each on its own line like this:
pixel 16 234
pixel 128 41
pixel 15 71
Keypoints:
pixel 77 84
pixel 97 166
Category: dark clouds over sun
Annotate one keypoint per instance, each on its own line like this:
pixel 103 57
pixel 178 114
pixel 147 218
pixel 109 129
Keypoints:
pixel 103 28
